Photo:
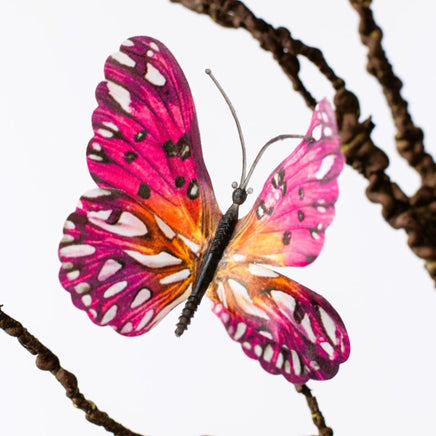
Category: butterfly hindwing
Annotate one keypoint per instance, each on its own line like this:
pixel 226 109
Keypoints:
pixel 288 328
pixel 122 264
pixel 287 222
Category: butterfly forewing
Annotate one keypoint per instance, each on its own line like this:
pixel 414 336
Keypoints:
pixel 288 328
pixel 287 222
pixel 146 140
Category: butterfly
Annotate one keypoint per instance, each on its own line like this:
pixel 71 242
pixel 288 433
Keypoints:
pixel 136 246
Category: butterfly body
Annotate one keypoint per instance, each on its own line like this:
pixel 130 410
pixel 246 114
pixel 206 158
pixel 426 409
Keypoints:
pixel 211 259
pixel 152 235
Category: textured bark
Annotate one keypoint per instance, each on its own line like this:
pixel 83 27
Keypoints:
pixel 46 360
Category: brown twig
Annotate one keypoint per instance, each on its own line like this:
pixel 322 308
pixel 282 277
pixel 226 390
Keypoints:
pixel 416 215
pixel 317 417
pixel 47 361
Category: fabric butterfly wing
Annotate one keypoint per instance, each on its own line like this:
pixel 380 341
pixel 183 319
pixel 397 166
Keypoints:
pixel 130 249
pixel 286 225
pixel 290 329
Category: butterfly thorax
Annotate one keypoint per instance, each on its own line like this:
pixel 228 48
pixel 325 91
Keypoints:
pixel 211 259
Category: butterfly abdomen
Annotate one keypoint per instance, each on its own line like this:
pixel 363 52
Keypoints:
pixel 208 267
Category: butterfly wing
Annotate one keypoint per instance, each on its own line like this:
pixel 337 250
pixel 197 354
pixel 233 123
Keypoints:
pixel 288 328
pixel 146 140
pixel 287 222
pixel 130 249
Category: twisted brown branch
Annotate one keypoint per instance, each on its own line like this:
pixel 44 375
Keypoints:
pixel 317 416
pixel 47 361
pixel 416 215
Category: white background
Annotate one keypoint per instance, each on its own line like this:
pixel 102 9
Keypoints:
pixel 52 56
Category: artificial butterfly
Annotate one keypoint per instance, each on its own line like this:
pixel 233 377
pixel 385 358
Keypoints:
pixel 134 247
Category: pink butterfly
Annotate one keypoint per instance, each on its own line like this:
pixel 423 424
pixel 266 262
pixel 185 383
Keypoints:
pixel 136 246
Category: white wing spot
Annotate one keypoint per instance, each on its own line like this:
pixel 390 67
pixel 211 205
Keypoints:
pixel 161 260
pixel 127 328
pixel 115 289
pixel 145 320
pixel 67 238
pixel 95 193
pixel 287 367
pixel 109 315
pixel 191 245
pixel 128 43
pixel 258 350
pixel 225 317
pixel 127 225
pixel 106 133
pixel 268 353
pixel 244 300
pixel 96 146
pixel 266 334
pixel 329 325
pixel 296 362
pixel 83 287
pixel 260 271
pixel 123 59
pixel 86 300
pixel 77 250
pixel 120 94
pixel 239 257
pixel 141 297
pixel 109 268
pixel 67 265
pixel 247 345
pixel 279 361
pixel 327 347
pixel 69 225
pixel 73 275
pixel 285 302
pixel 166 229
pixel 240 331
pixel 315 235
pixel 221 293
pixel 154 46
pixel 95 157
pixel 316 132
pixel 154 76
pixel 328 131
pixel 325 167
pixel 111 126
pixel 314 365
pixel 176 277
pixel 150 53
pixel 305 323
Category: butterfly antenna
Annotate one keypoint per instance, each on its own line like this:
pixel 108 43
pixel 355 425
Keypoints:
pixel 244 183
pixel 238 125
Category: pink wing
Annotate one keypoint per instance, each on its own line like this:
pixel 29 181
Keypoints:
pixel 290 329
pixel 146 140
pixel 130 249
pixel 287 222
